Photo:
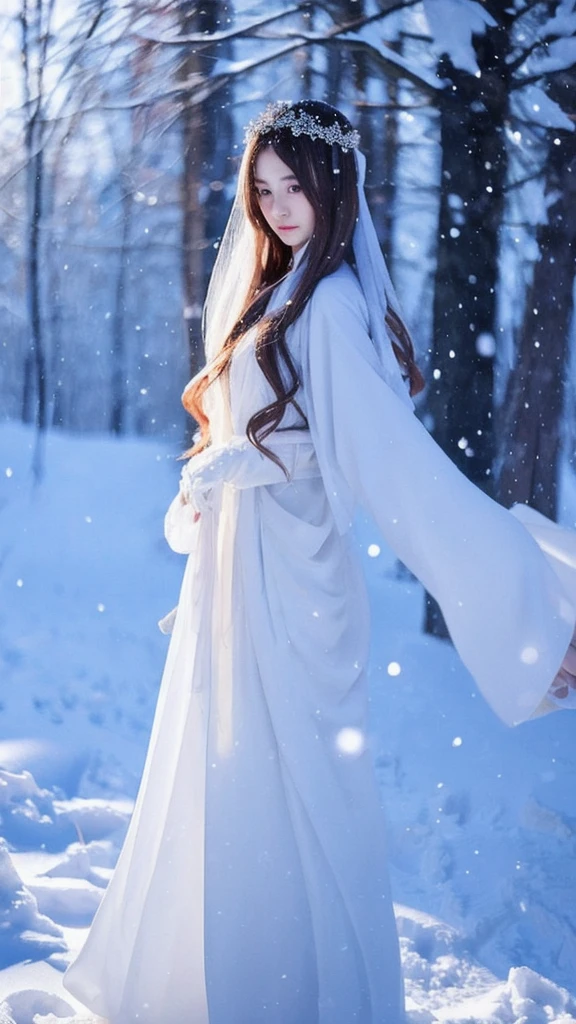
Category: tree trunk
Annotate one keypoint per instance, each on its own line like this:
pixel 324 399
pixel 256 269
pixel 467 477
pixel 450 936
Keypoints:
pixel 55 320
pixel 33 54
pixel 35 22
pixel 338 63
pixel 385 215
pixel 35 174
pixel 307 70
pixel 531 415
pixel 473 176
pixel 119 365
pixel 200 123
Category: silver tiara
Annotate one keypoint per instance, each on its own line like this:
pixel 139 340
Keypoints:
pixel 281 115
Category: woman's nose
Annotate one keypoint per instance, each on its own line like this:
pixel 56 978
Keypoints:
pixel 280 206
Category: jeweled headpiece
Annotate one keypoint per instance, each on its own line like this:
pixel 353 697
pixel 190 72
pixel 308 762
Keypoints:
pixel 282 115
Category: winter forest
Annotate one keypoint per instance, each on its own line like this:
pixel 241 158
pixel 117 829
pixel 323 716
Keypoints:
pixel 121 131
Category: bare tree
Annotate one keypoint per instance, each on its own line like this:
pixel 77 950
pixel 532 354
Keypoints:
pixel 205 128
pixel 530 423
pixel 36 26
pixel 38 40
pixel 475 113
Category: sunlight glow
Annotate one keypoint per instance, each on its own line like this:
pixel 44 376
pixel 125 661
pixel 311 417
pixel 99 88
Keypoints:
pixel 350 741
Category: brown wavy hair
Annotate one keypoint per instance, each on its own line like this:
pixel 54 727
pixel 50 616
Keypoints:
pixel 335 203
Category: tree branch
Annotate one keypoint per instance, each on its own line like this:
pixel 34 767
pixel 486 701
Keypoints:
pixel 523 181
pixel 519 61
pixel 226 35
pixel 516 15
pixel 252 31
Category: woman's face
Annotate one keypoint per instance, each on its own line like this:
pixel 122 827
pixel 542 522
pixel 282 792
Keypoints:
pixel 281 200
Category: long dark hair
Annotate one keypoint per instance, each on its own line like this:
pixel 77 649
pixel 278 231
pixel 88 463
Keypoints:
pixel 334 199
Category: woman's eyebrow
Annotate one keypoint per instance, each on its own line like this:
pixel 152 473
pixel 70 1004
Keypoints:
pixel 287 177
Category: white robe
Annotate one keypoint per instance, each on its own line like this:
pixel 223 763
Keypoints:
pixel 252 887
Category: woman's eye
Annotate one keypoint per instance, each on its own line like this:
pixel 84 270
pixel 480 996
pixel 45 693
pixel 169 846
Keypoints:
pixel 295 188
pixel 261 192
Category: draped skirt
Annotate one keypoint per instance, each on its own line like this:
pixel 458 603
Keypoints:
pixel 252 886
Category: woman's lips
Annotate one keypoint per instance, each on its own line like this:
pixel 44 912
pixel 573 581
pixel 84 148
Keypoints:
pixel 287 227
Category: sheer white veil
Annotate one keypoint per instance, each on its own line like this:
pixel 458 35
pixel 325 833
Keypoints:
pixel 232 273
pixel 235 265
pixel 377 287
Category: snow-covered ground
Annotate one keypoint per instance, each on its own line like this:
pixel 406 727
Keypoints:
pixel 482 818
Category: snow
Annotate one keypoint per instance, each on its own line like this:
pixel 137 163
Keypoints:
pixel 531 104
pixel 563 21
pixel 557 56
pixel 481 818
pixel 452 25
pixel 26 931
pixel 558 41
pixel 372 35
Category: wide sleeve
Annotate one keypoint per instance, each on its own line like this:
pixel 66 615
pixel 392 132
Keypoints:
pixel 236 462
pixel 509 613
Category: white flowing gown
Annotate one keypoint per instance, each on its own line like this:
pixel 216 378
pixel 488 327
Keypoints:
pixel 252 887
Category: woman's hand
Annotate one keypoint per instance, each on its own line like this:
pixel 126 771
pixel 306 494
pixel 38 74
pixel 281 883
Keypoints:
pixel 565 682
pixel 197 480
pixel 237 463
pixel 184 500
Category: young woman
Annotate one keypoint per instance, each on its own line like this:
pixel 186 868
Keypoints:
pixel 252 887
